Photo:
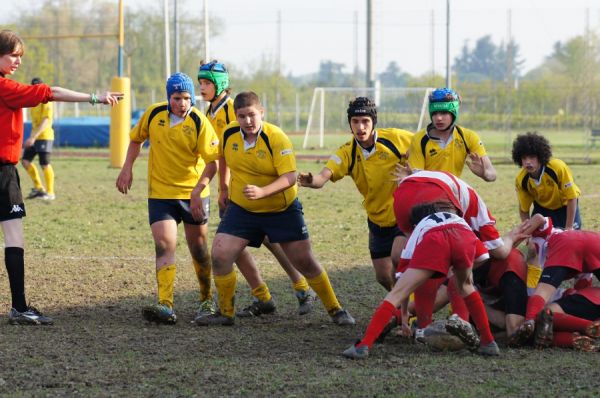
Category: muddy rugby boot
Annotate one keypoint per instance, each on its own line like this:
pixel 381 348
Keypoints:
pixel 29 317
pixel 593 330
pixel 343 318
pixel 306 299
pixel 207 307
pixel 585 343
pixel 159 313
pixel 215 319
pixel 354 352
pixel 543 334
pixel 489 350
pixel 462 329
pixel 257 308
pixel 522 335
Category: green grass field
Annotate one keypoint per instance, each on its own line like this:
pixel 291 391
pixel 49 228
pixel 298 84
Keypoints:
pixel 90 264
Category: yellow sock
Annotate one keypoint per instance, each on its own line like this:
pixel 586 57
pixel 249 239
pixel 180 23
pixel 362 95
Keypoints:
pixel 35 176
pixel 49 177
pixel 301 285
pixel 226 291
pixel 262 292
pixel 322 286
pixel 203 273
pixel 165 277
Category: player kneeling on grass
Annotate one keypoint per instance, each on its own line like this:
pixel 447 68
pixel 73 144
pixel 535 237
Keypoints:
pixel 262 202
pixel 369 159
pixel 441 240
pixel 563 255
pixel 183 146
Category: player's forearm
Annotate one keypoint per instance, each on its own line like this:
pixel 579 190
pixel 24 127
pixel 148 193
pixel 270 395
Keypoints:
pixel 224 175
pixel 571 210
pixel 133 151
pixel 35 134
pixel 282 183
pixel 207 175
pixel 523 215
pixel 489 172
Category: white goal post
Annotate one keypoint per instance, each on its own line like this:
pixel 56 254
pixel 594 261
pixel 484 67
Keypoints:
pixel 400 107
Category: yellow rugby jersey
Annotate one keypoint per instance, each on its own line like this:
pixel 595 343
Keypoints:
pixel 177 154
pixel 38 113
pixel 426 153
pixel 371 171
pixel 221 115
pixel 270 157
pixel 553 190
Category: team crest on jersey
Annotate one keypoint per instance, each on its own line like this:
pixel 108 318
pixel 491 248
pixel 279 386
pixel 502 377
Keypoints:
pixel 220 124
pixel 187 130
pixel 383 156
pixel 261 154
pixel 234 147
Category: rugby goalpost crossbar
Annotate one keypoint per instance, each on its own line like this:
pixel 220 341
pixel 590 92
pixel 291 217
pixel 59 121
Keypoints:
pixel 319 95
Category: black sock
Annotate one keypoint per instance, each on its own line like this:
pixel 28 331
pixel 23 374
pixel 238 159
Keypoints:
pixel 15 266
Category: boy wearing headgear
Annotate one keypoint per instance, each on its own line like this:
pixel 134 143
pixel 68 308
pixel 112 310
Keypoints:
pixel 213 78
pixel 369 158
pixel 444 145
pixel 183 147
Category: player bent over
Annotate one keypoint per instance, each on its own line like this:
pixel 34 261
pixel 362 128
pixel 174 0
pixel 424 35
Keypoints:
pixel 262 202
pixel 369 159
pixel 183 146
pixel 441 240
pixel 213 78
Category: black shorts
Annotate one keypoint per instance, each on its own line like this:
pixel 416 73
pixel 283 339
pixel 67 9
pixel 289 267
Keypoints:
pixel 11 198
pixel 175 209
pixel 579 306
pixel 381 239
pixel 41 147
pixel 280 227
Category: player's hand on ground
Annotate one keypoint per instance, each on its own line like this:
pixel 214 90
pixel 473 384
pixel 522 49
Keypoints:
pixel 110 98
pixel 196 208
pixel 253 192
pixel 305 179
pixel 124 181
pixel 406 332
pixel 401 172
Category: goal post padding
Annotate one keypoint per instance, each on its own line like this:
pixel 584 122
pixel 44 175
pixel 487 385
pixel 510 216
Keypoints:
pixel 402 107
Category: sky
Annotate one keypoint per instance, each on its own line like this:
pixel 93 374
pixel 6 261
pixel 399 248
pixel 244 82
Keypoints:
pixel 410 32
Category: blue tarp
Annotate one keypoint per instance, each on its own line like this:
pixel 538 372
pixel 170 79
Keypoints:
pixel 86 131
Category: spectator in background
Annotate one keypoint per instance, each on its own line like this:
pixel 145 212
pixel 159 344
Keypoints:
pixel 40 143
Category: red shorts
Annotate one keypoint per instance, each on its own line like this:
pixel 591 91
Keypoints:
pixel 577 250
pixel 444 247
pixel 515 262
pixel 410 194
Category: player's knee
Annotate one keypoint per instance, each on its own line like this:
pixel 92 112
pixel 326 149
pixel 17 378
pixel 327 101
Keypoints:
pixel 200 253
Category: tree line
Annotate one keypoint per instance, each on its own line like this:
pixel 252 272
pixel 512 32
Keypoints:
pixel 562 92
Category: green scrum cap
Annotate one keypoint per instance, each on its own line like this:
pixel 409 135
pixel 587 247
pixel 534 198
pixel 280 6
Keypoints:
pixel 444 100
pixel 216 73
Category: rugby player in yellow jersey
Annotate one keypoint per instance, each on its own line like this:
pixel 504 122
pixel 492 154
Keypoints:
pixel 182 157
pixel 370 158
pixel 213 78
pixel 545 182
pixel 262 202
pixel 445 146
pixel 40 143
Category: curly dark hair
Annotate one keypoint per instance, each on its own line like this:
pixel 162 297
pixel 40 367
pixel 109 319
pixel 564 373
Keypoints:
pixel 531 144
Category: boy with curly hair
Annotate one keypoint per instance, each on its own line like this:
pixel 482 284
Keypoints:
pixel 545 182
